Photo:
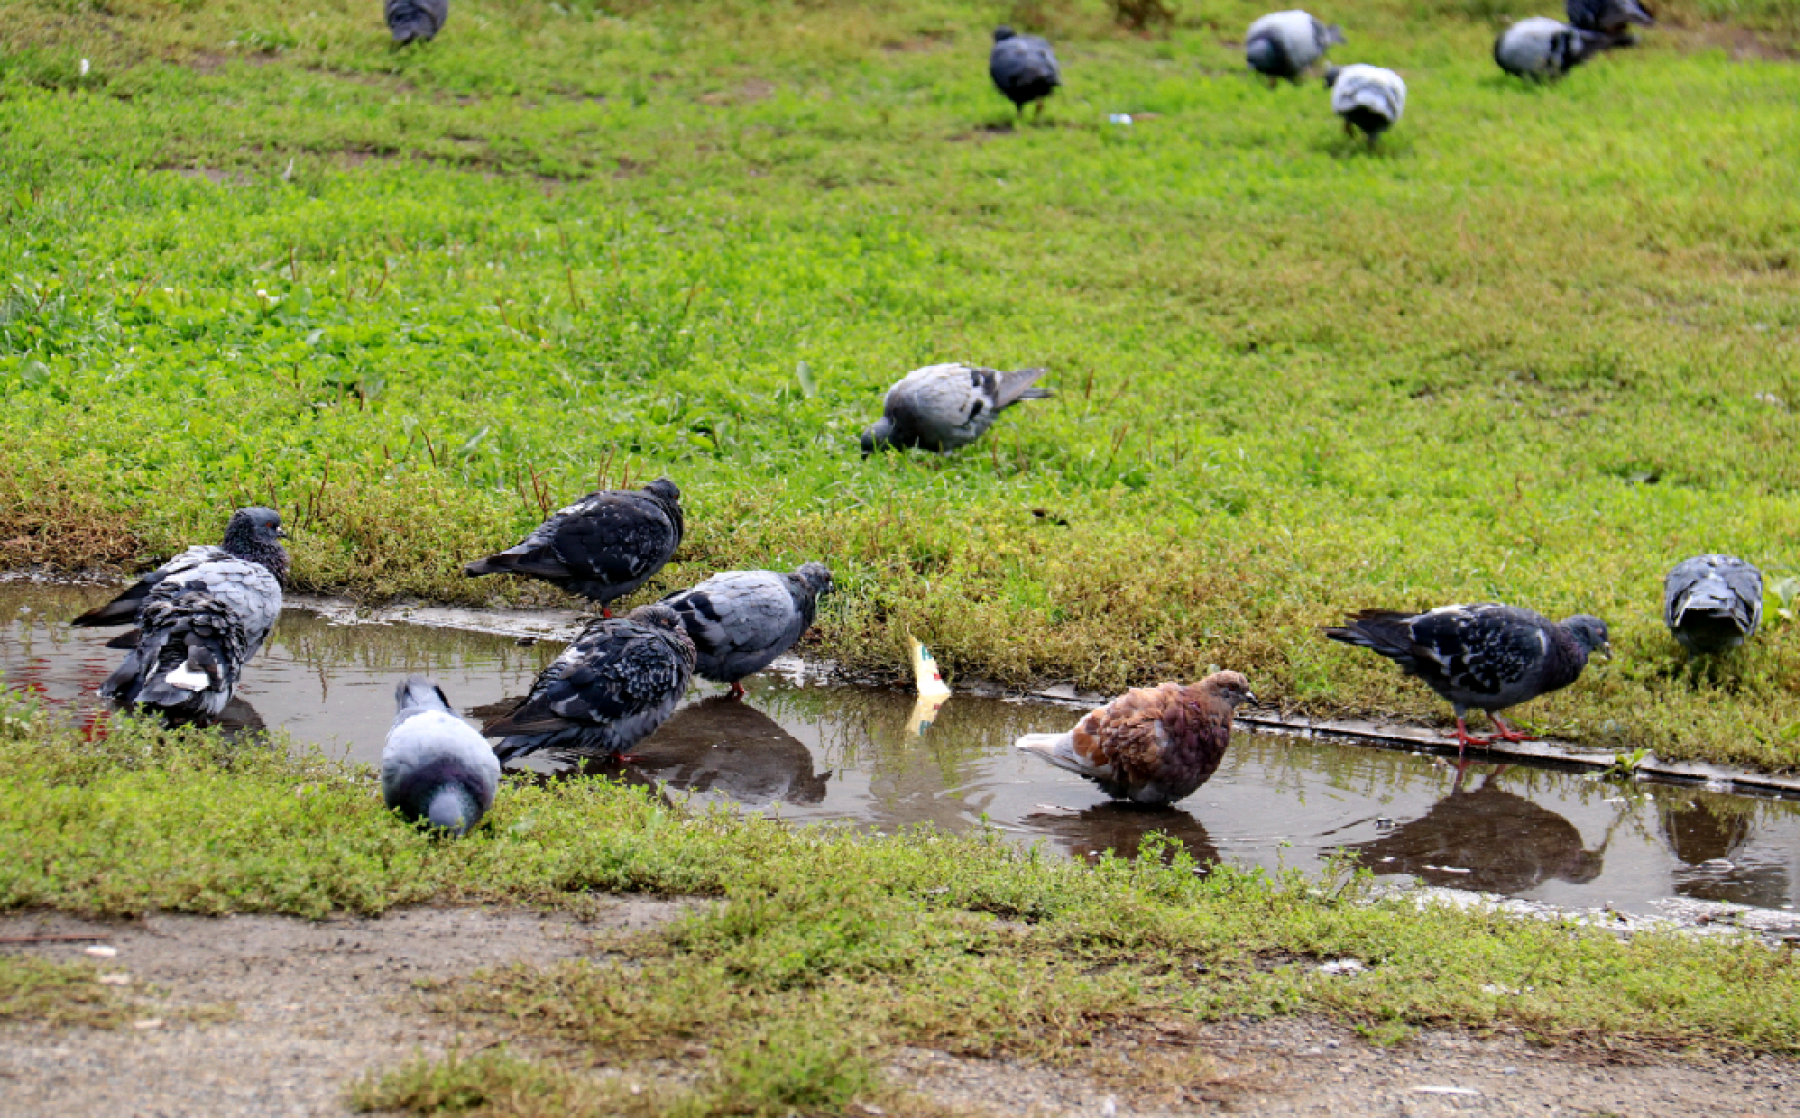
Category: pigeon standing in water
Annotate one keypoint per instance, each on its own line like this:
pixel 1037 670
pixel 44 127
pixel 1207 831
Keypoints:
pixel 608 691
pixel 1151 745
pixel 1369 98
pixel 1487 657
pixel 416 21
pixel 602 547
pixel 1612 18
pixel 1544 48
pixel 435 767
pixel 253 535
pixel 740 621
pixel 1713 603
pixel 943 407
pixel 1284 44
pixel 1023 68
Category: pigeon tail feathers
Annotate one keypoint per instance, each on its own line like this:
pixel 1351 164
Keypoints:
pixel 1021 385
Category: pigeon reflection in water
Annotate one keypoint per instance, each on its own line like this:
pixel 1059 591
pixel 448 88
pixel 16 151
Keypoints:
pixel 721 745
pixel 1708 834
pixel 1488 839
pixel 1121 829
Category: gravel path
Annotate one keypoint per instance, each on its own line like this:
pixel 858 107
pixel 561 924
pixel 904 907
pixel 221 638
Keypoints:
pixel 308 1007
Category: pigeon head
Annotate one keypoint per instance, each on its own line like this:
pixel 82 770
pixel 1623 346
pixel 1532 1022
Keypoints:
pixel 1003 33
pixel 1230 687
pixel 816 577
pixel 1331 75
pixel 1334 36
pixel 664 490
pixel 255 534
pixel 453 808
pixel 1589 632
pixel 416 693
pixel 879 436
pixel 659 616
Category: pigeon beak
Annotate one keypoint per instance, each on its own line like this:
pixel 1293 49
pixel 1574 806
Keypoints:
pixel 281 533
pixel 1250 697
pixel 1606 650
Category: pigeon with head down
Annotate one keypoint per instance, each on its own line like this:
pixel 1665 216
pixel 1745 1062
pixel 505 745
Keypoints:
pixel 436 768
pixel 415 21
pixel 945 407
pixel 1543 48
pixel 1370 99
pixel 1285 44
pixel 740 621
pixel 1024 68
pixel 1713 603
pixel 1611 18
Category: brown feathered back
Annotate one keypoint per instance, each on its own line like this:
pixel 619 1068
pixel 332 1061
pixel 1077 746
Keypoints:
pixel 1162 742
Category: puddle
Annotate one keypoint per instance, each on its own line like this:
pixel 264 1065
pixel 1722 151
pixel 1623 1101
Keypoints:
pixel 812 751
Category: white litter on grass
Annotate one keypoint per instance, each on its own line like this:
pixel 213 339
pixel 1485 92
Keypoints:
pixel 115 980
pixel 148 1023
pixel 101 951
pixel 84 67
pixel 1343 966
pixel 1447 1091
pixel 1120 118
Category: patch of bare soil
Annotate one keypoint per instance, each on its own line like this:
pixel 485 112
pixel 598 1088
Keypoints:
pixel 1740 43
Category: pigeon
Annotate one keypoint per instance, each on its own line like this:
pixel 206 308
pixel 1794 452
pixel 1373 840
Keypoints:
pixel 608 691
pixel 1151 745
pixel 740 621
pixel 416 21
pixel 1487 656
pixel 1284 44
pixel 195 633
pixel 602 547
pixel 944 407
pixel 1612 18
pixel 1544 48
pixel 1023 68
pixel 252 534
pixel 435 767
pixel 1713 603
pixel 1369 98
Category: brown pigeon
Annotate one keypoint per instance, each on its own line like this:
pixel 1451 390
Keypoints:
pixel 1151 745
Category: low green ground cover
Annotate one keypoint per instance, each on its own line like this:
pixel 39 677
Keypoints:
pixel 1537 348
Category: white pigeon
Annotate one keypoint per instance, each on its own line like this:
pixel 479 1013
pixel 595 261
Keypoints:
pixel 1284 44
pixel 436 768
pixel 1369 98
pixel 1544 48
pixel 944 407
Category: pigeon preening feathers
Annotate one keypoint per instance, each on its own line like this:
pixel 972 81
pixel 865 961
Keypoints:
pixel 416 21
pixel 608 691
pixel 1151 745
pixel 740 621
pixel 435 767
pixel 1369 98
pixel 1713 603
pixel 1284 44
pixel 1023 68
pixel 1612 18
pixel 195 633
pixel 602 547
pixel 1485 657
pixel 252 534
pixel 1544 48
pixel 943 407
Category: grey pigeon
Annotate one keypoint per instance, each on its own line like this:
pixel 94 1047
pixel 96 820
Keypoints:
pixel 1488 657
pixel 740 621
pixel 1023 68
pixel 1612 18
pixel 943 407
pixel 608 691
pixel 435 767
pixel 602 547
pixel 1544 48
pixel 1284 44
pixel 1369 98
pixel 1713 603
pixel 195 634
pixel 416 21
pixel 252 534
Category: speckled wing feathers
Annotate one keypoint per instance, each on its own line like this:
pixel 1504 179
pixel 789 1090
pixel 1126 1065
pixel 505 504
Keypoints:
pixel 602 547
pixel 1486 656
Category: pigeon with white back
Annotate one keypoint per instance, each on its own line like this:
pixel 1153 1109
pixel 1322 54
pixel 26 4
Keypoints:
pixel 1483 657
pixel 740 621
pixel 944 407
pixel 1612 18
pixel 415 21
pixel 602 547
pixel 608 691
pixel 1285 44
pixel 1369 98
pixel 1713 603
pixel 1023 68
pixel 436 768
pixel 1544 48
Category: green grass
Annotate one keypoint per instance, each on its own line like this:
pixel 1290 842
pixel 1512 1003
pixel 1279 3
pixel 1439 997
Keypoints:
pixel 1526 351
pixel 62 994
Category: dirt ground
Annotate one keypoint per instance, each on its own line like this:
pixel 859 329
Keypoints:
pixel 258 1015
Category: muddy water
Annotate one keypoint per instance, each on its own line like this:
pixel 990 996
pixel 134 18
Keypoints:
pixel 815 751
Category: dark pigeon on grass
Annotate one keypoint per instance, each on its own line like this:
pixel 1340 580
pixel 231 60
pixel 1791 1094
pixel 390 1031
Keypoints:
pixel 944 407
pixel 1023 68
pixel 1483 657
pixel 196 632
pixel 602 547
pixel 1611 18
pixel 1543 48
pixel 608 691
pixel 1370 99
pixel 740 621
pixel 1713 603
pixel 253 535
pixel 1284 44
pixel 1151 745
pixel 416 21
pixel 436 768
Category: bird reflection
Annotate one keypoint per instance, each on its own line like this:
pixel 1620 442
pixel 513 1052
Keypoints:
pixel 724 745
pixel 1708 834
pixel 240 719
pixel 1121 829
pixel 1487 839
